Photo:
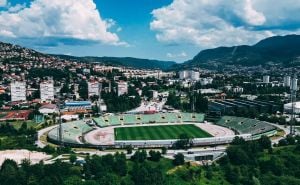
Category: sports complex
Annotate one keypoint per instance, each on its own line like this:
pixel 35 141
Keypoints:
pixel 157 130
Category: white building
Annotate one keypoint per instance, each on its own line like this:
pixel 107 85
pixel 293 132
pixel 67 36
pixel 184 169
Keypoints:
pixel 122 88
pixel 18 91
pixel 238 90
pixel 288 108
pixel 183 75
pixel 48 109
pixel 102 106
pixel 294 84
pixel 93 88
pixel 192 75
pixel 154 94
pixel 287 81
pixel 266 79
pixel 209 91
pixel 47 90
pixel 206 81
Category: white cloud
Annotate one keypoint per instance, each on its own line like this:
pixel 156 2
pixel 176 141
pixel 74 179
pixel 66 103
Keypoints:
pixel 176 55
pixel 57 19
pixel 3 3
pixel 211 23
pixel 16 8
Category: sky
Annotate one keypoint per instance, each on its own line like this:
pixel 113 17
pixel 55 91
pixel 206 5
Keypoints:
pixel 173 30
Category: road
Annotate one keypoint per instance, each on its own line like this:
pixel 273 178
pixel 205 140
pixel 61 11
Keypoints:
pixel 149 106
pixel 282 127
pixel 41 132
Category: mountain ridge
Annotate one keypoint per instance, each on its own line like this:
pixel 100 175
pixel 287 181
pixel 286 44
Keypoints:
pixel 122 61
pixel 283 50
pixel 16 53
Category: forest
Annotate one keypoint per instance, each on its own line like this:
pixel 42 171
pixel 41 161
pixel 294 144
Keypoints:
pixel 246 163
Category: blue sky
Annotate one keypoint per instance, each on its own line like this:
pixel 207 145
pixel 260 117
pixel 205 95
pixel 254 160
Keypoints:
pixel 157 29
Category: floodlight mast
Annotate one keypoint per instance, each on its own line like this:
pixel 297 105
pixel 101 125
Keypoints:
pixel 293 89
pixel 59 134
pixel 99 100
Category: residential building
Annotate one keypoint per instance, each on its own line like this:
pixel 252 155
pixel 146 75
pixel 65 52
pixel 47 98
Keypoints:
pixel 18 91
pixel 48 109
pixel 266 79
pixel 47 90
pixel 192 75
pixel 93 88
pixel 287 81
pixel 122 88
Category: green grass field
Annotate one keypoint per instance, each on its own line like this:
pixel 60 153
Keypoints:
pixel 160 132
pixel 17 124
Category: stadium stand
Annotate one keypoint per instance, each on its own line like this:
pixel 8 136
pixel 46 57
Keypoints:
pixel 246 125
pixel 130 119
pixel 71 131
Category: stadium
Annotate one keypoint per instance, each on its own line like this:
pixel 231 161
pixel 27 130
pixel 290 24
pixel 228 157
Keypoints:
pixel 157 130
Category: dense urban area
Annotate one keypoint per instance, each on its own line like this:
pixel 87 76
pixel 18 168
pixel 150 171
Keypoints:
pixel 68 121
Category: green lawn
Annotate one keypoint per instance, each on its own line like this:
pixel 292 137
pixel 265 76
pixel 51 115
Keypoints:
pixel 160 132
pixel 17 124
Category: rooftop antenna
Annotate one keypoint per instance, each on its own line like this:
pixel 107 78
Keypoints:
pixel 293 88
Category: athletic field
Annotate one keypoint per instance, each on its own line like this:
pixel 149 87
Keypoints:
pixel 160 132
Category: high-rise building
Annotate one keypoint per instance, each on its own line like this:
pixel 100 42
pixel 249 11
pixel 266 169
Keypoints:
pixel 18 91
pixel 266 79
pixel 183 75
pixel 93 88
pixel 122 88
pixel 193 75
pixel 287 81
pixel 47 90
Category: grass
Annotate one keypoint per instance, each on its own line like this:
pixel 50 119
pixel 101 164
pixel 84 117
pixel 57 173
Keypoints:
pixel 18 124
pixel 160 132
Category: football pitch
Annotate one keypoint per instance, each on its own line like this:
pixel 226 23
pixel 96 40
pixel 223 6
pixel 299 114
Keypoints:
pixel 160 132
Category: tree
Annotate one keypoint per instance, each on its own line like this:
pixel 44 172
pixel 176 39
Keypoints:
pixel 184 142
pixel 83 90
pixel 174 101
pixel 73 180
pixel 265 142
pixel 238 141
pixel 72 158
pixel 237 155
pixel 139 156
pixel 164 150
pixel 154 155
pixel 120 166
pixel 201 103
pixel 129 149
pixel 9 172
pixel 178 159
pixel 209 173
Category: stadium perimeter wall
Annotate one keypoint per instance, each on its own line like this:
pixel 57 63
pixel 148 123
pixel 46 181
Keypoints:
pixel 169 143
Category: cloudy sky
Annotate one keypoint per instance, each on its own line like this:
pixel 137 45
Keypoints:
pixel 157 29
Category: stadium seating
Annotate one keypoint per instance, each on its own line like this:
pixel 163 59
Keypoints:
pixel 130 119
pixel 71 131
pixel 186 117
pixel 245 125
pixel 173 118
pixel 100 122
pixel 114 120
